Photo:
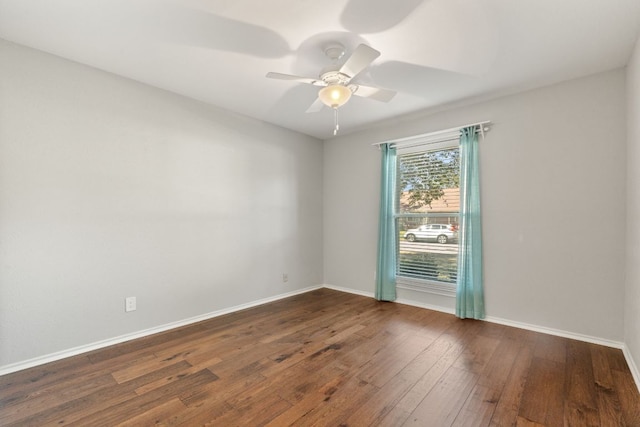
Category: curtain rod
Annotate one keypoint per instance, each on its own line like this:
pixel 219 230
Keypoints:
pixel 432 137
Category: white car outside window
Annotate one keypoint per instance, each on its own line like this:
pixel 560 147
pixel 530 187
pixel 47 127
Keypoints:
pixel 441 233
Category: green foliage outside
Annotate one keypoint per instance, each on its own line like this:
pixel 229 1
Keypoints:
pixel 424 176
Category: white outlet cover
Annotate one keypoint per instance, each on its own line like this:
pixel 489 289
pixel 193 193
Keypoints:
pixel 130 304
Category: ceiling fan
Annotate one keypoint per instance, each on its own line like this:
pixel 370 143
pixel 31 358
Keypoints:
pixel 336 81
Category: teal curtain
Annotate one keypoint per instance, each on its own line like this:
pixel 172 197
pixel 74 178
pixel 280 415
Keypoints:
pixel 386 268
pixel 469 295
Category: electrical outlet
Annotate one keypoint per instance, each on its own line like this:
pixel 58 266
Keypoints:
pixel 285 277
pixel 130 304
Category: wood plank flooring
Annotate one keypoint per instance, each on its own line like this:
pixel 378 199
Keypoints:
pixel 327 358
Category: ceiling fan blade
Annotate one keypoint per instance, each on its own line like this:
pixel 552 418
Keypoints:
pixel 383 95
pixel 316 106
pixel 308 80
pixel 359 60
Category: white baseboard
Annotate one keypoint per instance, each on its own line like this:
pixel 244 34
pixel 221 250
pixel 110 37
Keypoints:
pixel 399 300
pixel 7 369
pixel 350 291
pixel 632 365
pixel 419 304
pixel 556 332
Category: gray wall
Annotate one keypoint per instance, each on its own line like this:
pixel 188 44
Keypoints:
pixel 109 188
pixel 553 197
pixel 632 297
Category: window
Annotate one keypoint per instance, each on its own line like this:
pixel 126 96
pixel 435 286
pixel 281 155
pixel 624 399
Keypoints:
pixel 427 208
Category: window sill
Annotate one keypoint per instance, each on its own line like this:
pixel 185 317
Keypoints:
pixel 427 286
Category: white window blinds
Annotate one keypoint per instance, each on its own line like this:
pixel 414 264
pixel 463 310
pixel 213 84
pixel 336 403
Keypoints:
pixel 427 207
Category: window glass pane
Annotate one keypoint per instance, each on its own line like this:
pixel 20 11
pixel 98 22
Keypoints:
pixel 427 208
pixel 429 182
pixel 421 255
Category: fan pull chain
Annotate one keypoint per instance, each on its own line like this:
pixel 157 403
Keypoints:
pixel 335 122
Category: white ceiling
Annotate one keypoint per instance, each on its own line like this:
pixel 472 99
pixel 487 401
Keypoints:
pixel 434 52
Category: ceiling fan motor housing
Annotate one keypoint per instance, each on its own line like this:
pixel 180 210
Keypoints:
pixel 334 77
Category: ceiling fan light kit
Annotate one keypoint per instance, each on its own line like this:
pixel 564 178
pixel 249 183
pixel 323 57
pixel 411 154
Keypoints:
pixel 334 96
pixel 336 81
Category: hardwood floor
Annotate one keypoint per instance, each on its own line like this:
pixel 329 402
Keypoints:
pixel 327 358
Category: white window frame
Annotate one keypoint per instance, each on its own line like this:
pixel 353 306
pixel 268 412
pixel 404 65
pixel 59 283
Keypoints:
pixel 411 283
